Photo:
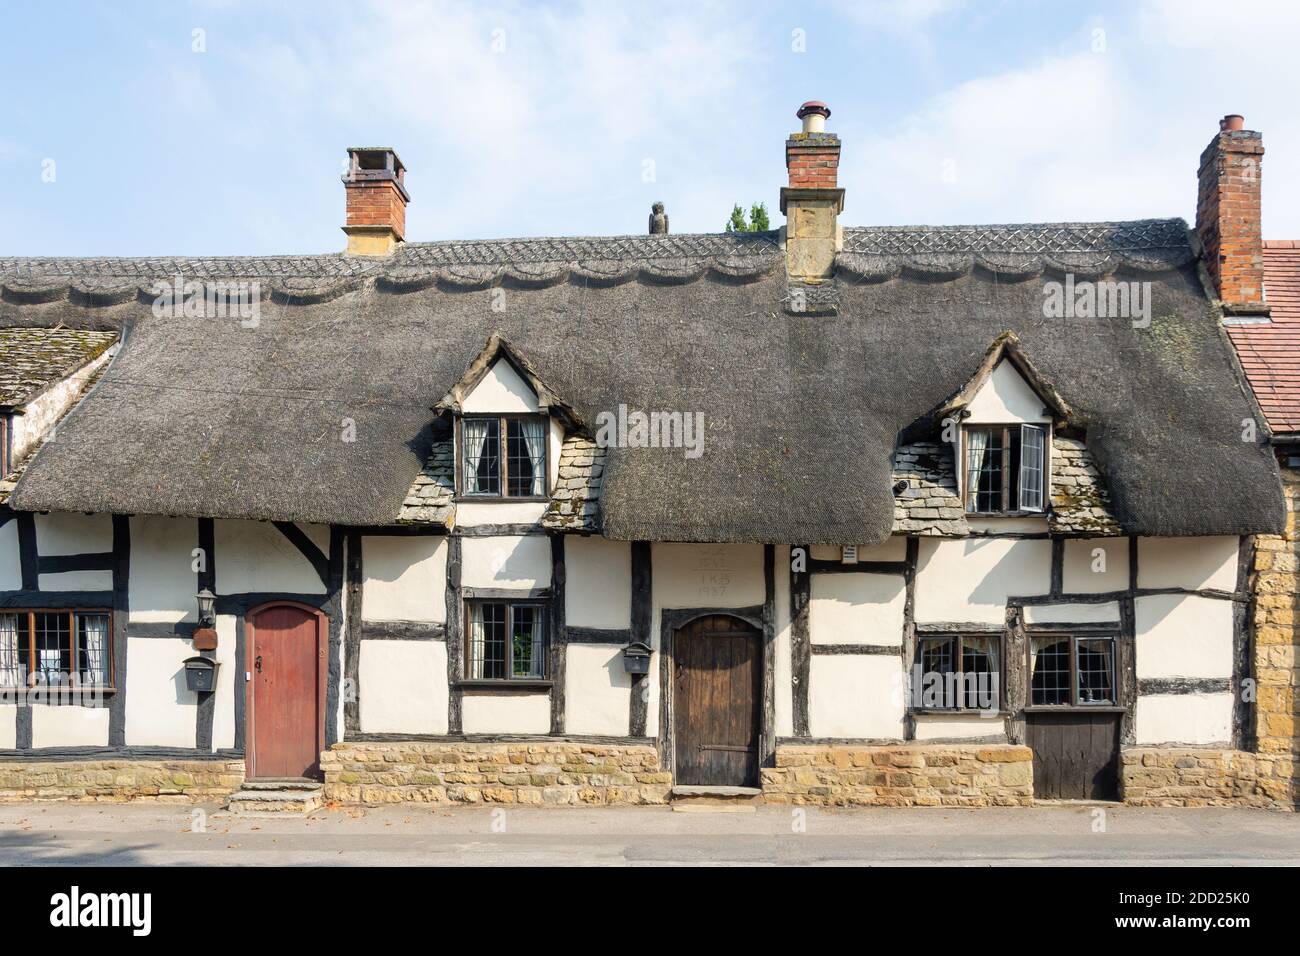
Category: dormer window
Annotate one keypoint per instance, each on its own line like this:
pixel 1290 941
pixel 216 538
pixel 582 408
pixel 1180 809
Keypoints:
pixel 1004 468
pixel 503 456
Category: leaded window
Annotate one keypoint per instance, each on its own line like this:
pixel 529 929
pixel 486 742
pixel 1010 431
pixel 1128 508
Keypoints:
pixel 503 456
pixel 507 641
pixel 55 648
pixel 958 672
pixel 1071 670
pixel 1005 468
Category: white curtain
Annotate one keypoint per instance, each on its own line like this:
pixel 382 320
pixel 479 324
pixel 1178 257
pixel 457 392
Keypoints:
pixel 474 437
pixel 977 443
pixel 533 431
pixel 476 641
pixel 94 637
pixel 10 668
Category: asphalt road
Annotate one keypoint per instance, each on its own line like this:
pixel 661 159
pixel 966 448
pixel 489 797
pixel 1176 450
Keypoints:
pixel 1067 835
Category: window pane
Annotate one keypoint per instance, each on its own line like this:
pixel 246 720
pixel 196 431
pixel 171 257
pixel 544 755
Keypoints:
pixel 526 640
pixel 481 468
pixel 981 672
pixel 984 469
pixel 53 649
pixel 1096 671
pixel 487 641
pixel 526 457
pixel 938 673
pixel 1050 684
pixel 14 649
pixel 1031 467
pixel 92 648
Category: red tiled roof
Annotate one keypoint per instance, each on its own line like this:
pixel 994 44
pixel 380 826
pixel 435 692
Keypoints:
pixel 1270 353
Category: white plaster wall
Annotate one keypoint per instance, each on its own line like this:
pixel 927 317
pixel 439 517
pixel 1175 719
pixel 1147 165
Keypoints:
pixel 851 608
pixel 855 695
pixel 509 713
pixel 159 710
pixel 1072 613
pixel 784 670
pixel 163 581
pixel 1194 563
pixel 69 726
pixel 1183 636
pixel 995 524
pixel 707 575
pixel 958 726
pixel 76 581
pixel 405 578
pixel 501 390
pixel 891 549
pixel 1078 576
pixel 598 582
pixel 598 692
pixel 970 580
pixel 403 686
pixel 520 561
pixel 8 726
pixel 255 556
pixel 229 683
pixel 1005 397
pixel 471 513
pixel 60 533
pixel 11 572
pixel 1184 719
pixel 47 408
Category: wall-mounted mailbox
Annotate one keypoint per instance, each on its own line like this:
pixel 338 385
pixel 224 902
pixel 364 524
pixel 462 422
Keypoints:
pixel 201 674
pixel 636 658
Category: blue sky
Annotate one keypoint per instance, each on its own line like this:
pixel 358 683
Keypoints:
pixel 124 131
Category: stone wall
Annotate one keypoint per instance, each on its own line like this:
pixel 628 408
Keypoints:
pixel 1187 777
pixel 1276 588
pixel 173 781
pixel 909 775
pixel 527 772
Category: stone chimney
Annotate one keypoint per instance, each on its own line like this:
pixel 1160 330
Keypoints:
pixel 1228 210
pixel 376 200
pixel 813 200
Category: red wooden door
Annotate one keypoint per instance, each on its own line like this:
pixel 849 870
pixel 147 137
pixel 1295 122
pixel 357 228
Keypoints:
pixel 286 658
pixel 716 694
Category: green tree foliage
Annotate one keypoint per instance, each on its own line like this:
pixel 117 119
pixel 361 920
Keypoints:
pixel 757 221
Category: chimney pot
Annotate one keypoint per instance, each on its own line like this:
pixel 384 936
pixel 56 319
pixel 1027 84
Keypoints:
pixel 814 114
pixel 1233 121
pixel 376 197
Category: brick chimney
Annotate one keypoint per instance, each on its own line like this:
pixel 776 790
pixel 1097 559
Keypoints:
pixel 1228 209
pixel 813 200
pixel 376 200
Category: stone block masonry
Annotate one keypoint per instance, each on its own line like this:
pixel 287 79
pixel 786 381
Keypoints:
pixel 926 775
pixel 167 781
pixel 1189 777
pixel 1275 587
pixel 559 773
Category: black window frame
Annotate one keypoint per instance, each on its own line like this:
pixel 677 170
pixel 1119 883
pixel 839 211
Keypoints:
pixel 1010 467
pixel 1111 636
pixel 542 676
pixel 957 638
pixel 503 457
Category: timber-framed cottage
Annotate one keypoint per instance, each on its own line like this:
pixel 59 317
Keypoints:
pixel 844 515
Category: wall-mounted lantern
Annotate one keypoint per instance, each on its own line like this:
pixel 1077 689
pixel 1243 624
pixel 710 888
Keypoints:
pixel 636 658
pixel 201 674
pixel 205 635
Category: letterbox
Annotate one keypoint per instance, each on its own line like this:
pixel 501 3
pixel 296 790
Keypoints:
pixel 201 674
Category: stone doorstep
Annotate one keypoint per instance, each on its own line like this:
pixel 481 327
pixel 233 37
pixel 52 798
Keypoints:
pixel 693 799
pixel 276 798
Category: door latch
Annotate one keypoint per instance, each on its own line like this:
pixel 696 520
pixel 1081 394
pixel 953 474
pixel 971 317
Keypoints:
pixel 257 664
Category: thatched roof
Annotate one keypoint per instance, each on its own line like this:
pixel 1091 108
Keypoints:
pixel 802 412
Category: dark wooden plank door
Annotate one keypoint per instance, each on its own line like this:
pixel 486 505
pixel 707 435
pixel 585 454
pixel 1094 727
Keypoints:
pixel 716 695
pixel 1076 754
pixel 286 700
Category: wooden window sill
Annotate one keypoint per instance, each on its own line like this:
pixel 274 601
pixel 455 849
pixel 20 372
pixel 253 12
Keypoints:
pixel 521 685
